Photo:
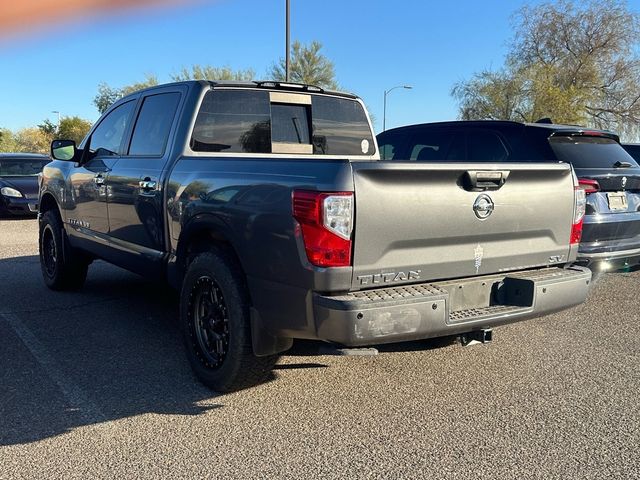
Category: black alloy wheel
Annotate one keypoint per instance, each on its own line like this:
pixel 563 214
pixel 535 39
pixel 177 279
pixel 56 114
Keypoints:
pixel 49 252
pixel 210 322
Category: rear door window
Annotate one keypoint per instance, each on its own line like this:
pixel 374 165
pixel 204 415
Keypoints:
pixel 589 151
pixel 151 131
pixel 486 147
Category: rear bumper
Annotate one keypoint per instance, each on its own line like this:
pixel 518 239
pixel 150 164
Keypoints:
pixel 425 310
pixel 20 206
pixel 612 240
pixel 610 260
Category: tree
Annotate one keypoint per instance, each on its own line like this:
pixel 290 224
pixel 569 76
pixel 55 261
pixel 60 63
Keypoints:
pixel 32 140
pixel 7 141
pixel 208 72
pixel 107 95
pixel 73 128
pixel 574 63
pixel 308 66
pixel 48 127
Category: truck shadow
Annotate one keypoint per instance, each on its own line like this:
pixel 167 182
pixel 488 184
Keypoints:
pixel 108 352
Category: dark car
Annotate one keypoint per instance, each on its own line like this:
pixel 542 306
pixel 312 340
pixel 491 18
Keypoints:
pixel 19 182
pixel 607 173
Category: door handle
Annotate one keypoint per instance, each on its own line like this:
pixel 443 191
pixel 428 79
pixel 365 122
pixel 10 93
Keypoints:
pixel 478 180
pixel 147 184
pixel 98 179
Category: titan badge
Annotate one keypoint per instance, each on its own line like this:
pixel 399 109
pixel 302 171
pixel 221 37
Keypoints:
pixel 389 277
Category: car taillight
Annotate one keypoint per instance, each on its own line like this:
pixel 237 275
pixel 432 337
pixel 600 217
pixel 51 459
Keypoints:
pixel 578 217
pixel 588 185
pixel 326 223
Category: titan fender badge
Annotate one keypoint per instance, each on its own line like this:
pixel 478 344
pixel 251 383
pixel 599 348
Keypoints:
pixel 483 206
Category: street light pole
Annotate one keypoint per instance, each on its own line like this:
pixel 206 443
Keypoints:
pixel 386 92
pixel 56 111
pixel 288 51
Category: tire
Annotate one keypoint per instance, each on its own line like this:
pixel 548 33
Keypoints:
pixel 216 327
pixel 63 268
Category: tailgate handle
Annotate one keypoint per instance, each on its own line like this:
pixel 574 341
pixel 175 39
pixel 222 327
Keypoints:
pixel 484 180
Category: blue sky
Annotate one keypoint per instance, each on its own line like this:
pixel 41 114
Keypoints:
pixel 375 45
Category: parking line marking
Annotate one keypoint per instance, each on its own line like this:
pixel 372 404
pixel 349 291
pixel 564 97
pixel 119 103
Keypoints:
pixel 73 394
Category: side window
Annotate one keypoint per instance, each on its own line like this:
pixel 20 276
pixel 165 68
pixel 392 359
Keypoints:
pixel 107 137
pixel 430 146
pixel 391 145
pixel 458 148
pixel 152 127
pixel 486 147
pixel 233 121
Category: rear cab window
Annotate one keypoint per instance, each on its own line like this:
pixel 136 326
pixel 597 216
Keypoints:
pixel 583 151
pixel 257 121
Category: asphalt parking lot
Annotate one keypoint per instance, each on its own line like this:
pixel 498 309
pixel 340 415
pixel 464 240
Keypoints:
pixel 95 384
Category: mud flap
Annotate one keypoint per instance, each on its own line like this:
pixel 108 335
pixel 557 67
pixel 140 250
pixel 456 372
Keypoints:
pixel 264 342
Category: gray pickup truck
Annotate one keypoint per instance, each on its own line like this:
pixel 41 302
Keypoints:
pixel 267 206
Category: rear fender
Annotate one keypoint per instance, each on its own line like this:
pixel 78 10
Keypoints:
pixel 197 235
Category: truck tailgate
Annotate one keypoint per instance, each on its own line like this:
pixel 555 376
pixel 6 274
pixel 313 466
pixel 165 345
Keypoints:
pixel 417 222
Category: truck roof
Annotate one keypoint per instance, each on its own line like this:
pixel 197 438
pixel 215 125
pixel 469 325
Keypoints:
pixel 257 84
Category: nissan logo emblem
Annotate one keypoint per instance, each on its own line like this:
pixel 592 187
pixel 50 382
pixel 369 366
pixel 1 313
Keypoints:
pixel 483 206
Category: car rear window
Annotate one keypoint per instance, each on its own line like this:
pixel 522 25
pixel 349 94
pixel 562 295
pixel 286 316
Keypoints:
pixel 589 151
pixel 248 121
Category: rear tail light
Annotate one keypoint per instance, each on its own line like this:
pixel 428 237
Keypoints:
pixel 588 185
pixel 326 222
pixel 578 217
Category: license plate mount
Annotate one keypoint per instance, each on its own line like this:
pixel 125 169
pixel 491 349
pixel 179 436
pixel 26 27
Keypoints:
pixel 617 200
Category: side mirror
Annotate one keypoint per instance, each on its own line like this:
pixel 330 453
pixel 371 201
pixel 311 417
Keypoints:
pixel 63 150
